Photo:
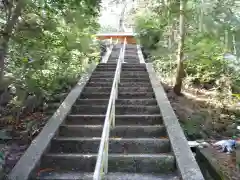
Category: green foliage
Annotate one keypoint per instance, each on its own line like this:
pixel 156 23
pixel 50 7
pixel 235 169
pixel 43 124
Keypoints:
pixel 149 28
pixel 205 62
pixel 208 37
pixel 52 44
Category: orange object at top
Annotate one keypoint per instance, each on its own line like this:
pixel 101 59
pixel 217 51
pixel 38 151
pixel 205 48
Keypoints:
pixel 120 36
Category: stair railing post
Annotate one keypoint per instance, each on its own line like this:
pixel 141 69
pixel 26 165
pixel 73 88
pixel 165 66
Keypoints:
pixel 113 112
pixel 106 154
pixel 116 95
pixel 111 41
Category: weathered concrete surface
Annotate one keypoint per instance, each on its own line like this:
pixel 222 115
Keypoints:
pixel 187 165
pixel 140 55
pixel 133 163
pixel 109 176
pixel 219 166
pixel 107 54
pixel 39 145
pixel 116 145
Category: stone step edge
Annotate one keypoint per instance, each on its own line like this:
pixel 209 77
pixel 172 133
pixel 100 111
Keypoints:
pixel 148 99
pixel 117 126
pixel 120 116
pixel 110 139
pixel 117 106
pixel 112 175
pixel 95 155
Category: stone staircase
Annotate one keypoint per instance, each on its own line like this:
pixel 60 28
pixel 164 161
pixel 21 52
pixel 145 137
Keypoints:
pixel 138 143
pixel 75 147
pixel 114 54
pixel 142 145
pixel 131 54
pixel 139 147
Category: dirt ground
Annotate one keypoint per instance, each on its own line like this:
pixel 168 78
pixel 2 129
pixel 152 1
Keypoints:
pixel 201 115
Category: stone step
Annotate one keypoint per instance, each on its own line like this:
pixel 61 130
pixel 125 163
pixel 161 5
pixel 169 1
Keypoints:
pixel 131 59
pixel 112 59
pixel 105 68
pixel 96 89
pixel 109 69
pixel 114 65
pixel 89 109
pixel 97 79
pixel 131 65
pixel 126 146
pixel 132 109
pixel 95 95
pixel 135 84
pixel 119 119
pixel 125 73
pixel 116 50
pixel 134 79
pixel 137 102
pixel 118 102
pixel 101 75
pixel 133 53
pixel 77 119
pixel 99 84
pixel 114 56
pixel 92 101
pixel 123 131
pixel 107 65
pixel 135 95
pixel 135 89
pixel 138 131
pixel 102 71
pixel 130 73
pixel 134 69
pixel 138 163
pixel 119 110
pixel 131 47
pixel 71 175
pixel 136 76
pixel 122 90
pixel 131 56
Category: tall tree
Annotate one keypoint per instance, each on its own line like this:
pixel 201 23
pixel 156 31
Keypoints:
pixel 13 12
pixel 44 47
pixel 180 66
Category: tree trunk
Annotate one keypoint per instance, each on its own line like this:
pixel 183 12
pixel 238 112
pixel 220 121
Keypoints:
pixel 201 17
pixel 180 68
pixel 234 44
pixel 122 15
pixel 7 33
